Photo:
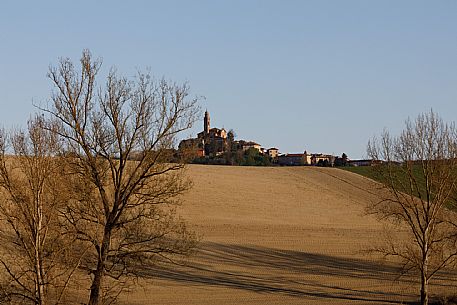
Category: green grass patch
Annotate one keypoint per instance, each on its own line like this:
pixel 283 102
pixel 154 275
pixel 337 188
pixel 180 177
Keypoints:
pixel 366 171
pixel 402 179
pixel 405 180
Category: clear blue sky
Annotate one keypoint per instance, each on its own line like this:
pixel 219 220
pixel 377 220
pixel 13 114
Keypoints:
pixel 323 76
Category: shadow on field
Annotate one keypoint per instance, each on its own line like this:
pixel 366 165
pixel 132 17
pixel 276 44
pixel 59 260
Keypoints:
pixel 290 273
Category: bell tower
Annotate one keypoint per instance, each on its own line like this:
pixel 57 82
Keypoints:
pixel 206 123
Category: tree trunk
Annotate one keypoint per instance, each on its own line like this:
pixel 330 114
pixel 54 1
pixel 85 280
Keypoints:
pixel 424 289
pixel 39 281
pixel 39 274
pixel 40 295
pixel 96 286
pixel 424 275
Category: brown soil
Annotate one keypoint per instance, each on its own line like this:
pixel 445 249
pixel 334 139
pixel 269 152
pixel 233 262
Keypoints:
pixel 281 236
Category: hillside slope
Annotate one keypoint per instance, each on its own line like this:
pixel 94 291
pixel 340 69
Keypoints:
pixel 279 236
pixel 271 206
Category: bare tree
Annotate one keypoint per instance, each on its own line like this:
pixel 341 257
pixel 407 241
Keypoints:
pixel 117 140
pixel 33 258
pixel 419 175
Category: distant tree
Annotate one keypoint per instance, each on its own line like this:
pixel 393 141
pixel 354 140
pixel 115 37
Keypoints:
pixel 265 160
pixel 124 210
pixel 252 157
pixel 200 160
pixel 249 157
pixel 341 161
pixel 230 149
pixel 231 136
pixel 344 159
pixel 419 177
pixel 239 157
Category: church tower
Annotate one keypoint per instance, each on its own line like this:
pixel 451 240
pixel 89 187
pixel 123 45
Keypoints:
pixel 206 123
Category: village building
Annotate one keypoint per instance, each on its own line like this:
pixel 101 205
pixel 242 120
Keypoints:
pixel 292 159
pixel 242 145
pixel 214 139
pixel 192 148
pixel 364 162
pixel 322 159
pixel 306 159
pixel 272 152
pixel 214 142
pixel 210 142
pixel 217 144
pixel 250 144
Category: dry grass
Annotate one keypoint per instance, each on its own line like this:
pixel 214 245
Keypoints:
pixel 280 236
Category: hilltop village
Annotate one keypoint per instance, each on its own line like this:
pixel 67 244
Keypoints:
pixel 217 146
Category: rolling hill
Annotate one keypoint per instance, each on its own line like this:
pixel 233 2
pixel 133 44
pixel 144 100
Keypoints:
pixel 280 235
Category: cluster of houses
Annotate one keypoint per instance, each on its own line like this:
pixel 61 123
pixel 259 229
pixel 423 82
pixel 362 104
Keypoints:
pixel 320 160
pixel 215 143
